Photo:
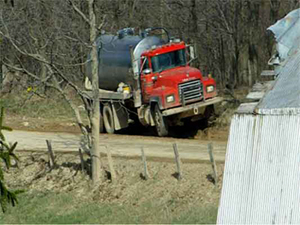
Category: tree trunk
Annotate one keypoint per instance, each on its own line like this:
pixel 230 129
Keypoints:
pixel 1 75
pixel 96 163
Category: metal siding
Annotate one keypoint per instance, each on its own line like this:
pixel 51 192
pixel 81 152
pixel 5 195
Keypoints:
pixel 262 171
pixel 261 183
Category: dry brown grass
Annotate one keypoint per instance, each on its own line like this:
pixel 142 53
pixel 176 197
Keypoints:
pixel 161 198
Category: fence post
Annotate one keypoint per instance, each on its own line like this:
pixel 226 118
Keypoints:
pixel 111 165
pixel 81 160
pixel 177 161
pixel 50 154
pixel 146 173
pixel 213 162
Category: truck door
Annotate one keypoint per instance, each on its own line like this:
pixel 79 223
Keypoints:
pixel 146 80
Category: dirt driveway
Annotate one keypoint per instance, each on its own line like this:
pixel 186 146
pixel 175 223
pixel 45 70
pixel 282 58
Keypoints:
pixel 121 145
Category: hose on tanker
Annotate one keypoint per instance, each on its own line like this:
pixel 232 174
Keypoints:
pixel 148 30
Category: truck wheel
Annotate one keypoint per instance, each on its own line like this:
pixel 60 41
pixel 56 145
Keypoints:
pixel 108 119
pixel 209 111
pixel 160 123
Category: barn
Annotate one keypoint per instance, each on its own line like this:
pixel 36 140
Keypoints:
pixel 261 181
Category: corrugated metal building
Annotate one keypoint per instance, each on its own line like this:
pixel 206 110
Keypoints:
pixel 261 182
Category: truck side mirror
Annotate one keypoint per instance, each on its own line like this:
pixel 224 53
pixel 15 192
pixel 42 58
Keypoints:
pixel 135 68
pixel 191 51
pixel 135 64
pixel 147 71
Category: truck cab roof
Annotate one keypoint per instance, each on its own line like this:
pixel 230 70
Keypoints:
pixel 164 49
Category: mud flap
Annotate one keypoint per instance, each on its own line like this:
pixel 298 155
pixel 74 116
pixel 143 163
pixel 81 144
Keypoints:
pixel 145 116
pixel 121 116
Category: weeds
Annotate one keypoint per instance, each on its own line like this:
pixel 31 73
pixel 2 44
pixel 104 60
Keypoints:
pixel 33 106
pixel 52 208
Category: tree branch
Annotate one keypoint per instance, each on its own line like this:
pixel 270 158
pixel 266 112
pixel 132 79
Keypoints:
pixel 80 13
pixel 86 19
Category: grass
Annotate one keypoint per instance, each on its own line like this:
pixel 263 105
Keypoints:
pixel 32 106
pixel 54 208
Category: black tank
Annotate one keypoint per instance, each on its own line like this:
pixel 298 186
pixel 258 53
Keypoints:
pixel 114 56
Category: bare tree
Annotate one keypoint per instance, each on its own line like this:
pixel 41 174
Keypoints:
pixel 96 163
pixel 95 112
pixel 54 77
pixel 230 35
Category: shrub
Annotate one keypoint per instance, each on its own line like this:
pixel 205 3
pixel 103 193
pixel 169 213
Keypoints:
pixel 6 154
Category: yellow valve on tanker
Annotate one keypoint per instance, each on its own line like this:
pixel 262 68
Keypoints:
pixel 126 89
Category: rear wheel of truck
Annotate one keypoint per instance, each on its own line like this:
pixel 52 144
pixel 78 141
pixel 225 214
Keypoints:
pixel 108 119
pixel 160 123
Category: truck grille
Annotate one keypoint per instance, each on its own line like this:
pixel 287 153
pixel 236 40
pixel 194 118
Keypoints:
pixel 190 91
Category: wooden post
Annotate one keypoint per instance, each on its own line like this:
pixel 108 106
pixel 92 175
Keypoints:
pixel 146 173
pixel 177 161
pixel 213 162
pixel 50 154
pixel 81 160
pixel 95 116
pixel 111 165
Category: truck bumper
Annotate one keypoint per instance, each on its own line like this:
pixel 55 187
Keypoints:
pixel 193 109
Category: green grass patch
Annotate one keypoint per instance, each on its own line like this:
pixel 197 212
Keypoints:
pixel 24 104
pixel 54 208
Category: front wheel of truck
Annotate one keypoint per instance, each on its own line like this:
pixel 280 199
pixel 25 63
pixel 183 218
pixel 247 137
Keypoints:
pixel 160 123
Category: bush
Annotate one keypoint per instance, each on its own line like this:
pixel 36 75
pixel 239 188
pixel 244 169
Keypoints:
pixel 6 154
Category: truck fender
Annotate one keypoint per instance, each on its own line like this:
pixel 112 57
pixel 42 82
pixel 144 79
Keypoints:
pixel 121 116
pixel 156 100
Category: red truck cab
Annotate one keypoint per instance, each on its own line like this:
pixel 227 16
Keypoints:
pixel 168 81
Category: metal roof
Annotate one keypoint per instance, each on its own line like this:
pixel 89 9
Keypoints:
pixel 285 94
pixel 284 97
pixel 287 34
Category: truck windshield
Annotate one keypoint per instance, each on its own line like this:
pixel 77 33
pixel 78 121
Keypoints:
pixel 168 60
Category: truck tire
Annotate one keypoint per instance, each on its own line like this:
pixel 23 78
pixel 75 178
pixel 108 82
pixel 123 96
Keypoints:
pixel 108 119
pixel 209 111
pixel 160 123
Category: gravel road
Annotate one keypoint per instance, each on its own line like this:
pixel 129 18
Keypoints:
pixel 121 145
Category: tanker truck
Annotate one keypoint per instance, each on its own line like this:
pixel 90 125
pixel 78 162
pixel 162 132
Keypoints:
pixel 148 79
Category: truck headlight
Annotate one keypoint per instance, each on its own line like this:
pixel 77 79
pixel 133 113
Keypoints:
pixel 170 98
pixel 210 89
